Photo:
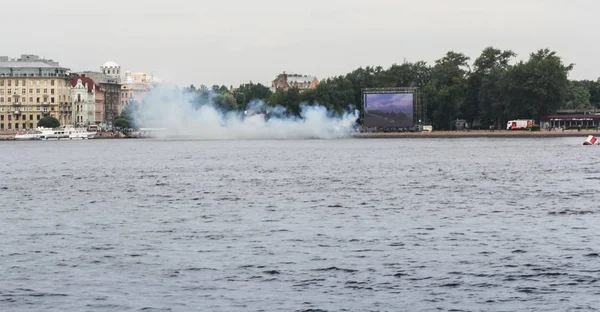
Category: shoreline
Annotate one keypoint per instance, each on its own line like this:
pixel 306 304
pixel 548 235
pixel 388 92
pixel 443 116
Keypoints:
pixel 418 135
pixel 477 134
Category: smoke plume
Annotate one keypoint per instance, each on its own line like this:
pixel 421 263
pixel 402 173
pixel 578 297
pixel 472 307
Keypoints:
pixel 180 116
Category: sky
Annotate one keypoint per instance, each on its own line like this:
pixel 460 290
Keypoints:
pixel 391 103
pixel 229 42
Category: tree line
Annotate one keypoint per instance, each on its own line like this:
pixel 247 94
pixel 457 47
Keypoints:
pixel 487 91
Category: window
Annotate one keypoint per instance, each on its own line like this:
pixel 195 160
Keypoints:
pixel 37 83
pixel 1 117
pixel 37 91
pixel 24 126
pixel 16 125
pixel 51 82
pixel 30 117
pixel 45 91
pixel 30 83
pixel 1 91
pixel 30 90
pixel 9 117
pixel 23 83
pixel 9 127
pixel 51 100
pixel 9 82
pixel 78 97
pixel 51 91
pixel 23 91
pixel 30 100
pixel 31 125
pixel 1 100
pixel 38 116
pixel 16 83
pixel 45 82
pixel 9 91
pixel 37 100
pixel 8 100
pixel 1 83
pixel 2 126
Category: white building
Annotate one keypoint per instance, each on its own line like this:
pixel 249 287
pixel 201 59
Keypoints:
pixel 112 70
pixel 83 94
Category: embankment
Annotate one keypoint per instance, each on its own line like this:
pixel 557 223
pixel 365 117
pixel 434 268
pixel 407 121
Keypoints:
pixel 477 134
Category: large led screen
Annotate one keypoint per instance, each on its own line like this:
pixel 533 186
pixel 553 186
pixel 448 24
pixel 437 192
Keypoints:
pixel 388 110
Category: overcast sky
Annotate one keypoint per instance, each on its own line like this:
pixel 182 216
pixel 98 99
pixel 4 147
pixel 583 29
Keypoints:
pixel 230 42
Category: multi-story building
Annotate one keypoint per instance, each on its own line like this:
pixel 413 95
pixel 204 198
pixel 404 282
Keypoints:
pixel 302 82
pixel 31 88
pixel 100 105
pixel 109 80
pixel 111 86
pixel 83 93
pixel 135 87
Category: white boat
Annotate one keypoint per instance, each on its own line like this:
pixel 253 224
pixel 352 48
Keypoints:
pixel 79 133
pixel 29 135
pixel 51 134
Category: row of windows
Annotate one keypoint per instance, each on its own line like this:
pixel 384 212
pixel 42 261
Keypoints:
pixel 28 109
pixel 23 91
pixel 37 99
pixel 23 83
pixel 23 117
pixel 57 73
pixel 23 126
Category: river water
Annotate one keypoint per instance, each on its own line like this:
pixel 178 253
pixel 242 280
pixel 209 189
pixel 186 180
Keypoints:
pixel 319 225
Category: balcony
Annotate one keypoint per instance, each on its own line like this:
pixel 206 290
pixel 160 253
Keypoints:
pixel 16 103
pixel 45 103
pixel 17 112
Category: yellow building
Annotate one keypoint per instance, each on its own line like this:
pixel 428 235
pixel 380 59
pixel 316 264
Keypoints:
pixel 30 89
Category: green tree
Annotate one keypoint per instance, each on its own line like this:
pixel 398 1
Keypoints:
pixel 486 97
pixel 578 98
pixel 121 122
pixel 447 89
pixel 49 122
pixel 539 86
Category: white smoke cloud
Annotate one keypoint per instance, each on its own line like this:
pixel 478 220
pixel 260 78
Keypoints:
pixel 175 111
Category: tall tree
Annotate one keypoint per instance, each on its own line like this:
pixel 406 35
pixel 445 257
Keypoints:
pixel 539 86
pixel 447 89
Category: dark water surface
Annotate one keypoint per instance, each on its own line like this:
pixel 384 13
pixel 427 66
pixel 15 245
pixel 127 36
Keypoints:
pixel 347 225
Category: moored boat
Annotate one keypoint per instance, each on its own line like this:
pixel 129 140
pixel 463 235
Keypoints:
pixel 51 134
pixel 79 133
pixel 29 135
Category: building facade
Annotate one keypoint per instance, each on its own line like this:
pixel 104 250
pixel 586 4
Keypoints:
pixel 100 105
pixel 109 80
pixel 83 93
pixel 135 87
pixel 30 89
pixel 302 82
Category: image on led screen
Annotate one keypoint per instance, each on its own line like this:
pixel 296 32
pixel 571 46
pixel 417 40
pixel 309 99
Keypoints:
pixel 389 110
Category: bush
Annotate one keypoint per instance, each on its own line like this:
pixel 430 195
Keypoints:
pixel 534 128
pixel 121 123
pixel 49 122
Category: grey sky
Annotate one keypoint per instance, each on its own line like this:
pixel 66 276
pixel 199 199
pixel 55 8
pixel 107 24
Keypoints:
pixel 231 42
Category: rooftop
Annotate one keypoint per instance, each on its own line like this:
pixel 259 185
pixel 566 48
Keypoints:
pixel 110 64
pixel 27 61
